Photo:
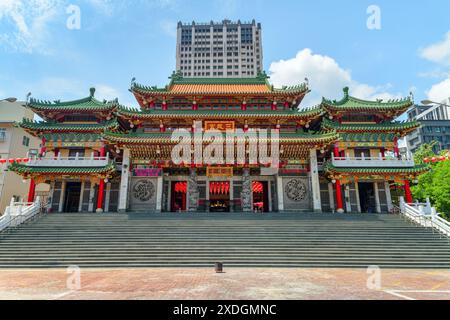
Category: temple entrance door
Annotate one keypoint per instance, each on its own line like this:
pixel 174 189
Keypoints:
pixel 367 197
pixel 219 196
pixel 72 196
pixel 178 196
pixel 260 196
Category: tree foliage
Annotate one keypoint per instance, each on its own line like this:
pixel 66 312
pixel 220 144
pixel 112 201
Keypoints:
pixel 434 184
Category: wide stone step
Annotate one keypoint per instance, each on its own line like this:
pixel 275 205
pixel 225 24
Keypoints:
pixel 184 240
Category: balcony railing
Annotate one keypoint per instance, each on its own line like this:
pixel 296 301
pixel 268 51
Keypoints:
pixel 372 162
pixel 76 161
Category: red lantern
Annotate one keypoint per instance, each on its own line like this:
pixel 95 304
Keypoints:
pixel 441 158
pixel 25 159
pixel 2 161
pixel 426 160
pixel 434 159
pixel 11 161
pixel 19 160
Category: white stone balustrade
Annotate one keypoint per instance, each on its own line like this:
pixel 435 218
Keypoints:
pixel 380 161
pixel 76 161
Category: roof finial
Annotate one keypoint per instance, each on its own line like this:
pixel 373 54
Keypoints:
pixel 92 91
pixel 28 97
pixel 307 81
pixel 345 91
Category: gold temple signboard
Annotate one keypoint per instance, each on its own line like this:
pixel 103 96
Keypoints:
pixel 212 172
pixel 219 125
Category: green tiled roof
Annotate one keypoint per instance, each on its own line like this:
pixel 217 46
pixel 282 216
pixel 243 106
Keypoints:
pixel 379 127
pixel 367 137
pixel 72 137
pixel 155 137
pixel 328 167
pixel 68 127
pixel 214 114
pixel 85 104
pixel 351 103
pixel 25 169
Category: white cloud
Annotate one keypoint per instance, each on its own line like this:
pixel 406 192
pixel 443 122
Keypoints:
pixel 440 91
pixel 326 78
pixel 106 7
pixel 438 52
pixel 103 91
pixel 27 22
pixel 169 27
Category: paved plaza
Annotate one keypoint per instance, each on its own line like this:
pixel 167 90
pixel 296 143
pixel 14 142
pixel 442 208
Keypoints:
pixel 234 283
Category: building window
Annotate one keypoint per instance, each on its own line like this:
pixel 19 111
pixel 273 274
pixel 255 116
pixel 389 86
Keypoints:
pixel 2 134
pixel 26 141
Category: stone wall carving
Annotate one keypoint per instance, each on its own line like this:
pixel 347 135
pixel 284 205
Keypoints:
pixel 296 190
pixel 296 194
pixel 246 193
pixel 192 193
pixel 142 194
pixel 143 190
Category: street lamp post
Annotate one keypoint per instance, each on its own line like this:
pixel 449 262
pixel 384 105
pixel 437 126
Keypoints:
pixel 428 102
pixel 11 99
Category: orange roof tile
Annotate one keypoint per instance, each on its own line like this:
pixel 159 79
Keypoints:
pixel 219 88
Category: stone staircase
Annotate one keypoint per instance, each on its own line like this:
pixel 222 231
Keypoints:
pixel 237 240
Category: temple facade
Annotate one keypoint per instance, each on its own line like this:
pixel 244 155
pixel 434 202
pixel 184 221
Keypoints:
pixel 339 156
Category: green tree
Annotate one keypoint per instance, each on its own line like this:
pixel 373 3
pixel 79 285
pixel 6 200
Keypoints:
pixel 434 184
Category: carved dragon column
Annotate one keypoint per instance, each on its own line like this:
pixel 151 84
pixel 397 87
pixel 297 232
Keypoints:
pixel 246 193
pixel 192 193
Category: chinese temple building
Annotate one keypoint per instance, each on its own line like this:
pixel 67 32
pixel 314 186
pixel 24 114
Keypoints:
pixel 100 156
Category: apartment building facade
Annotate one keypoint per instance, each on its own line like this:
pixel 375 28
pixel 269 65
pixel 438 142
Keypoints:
pixel 435 126
pixel 219 49
pixel 14 143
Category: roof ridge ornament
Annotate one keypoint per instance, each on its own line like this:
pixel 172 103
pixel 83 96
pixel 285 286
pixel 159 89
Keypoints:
pixel 346 90
pixel 92 92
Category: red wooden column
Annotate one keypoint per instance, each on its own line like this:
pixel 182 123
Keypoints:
pixel 101 187
pixel 31 191
pixel 336 151
pixel 244 105
pixel 43 148
pixel 274 105
pixel 194 105
pixel 396 150
pixel 340 205
pixel 162 128
pixel 408 194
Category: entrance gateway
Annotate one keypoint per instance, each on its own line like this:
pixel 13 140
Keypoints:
pixel 340 156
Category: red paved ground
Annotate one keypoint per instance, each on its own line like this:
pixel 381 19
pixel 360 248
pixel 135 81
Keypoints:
pixel 235 283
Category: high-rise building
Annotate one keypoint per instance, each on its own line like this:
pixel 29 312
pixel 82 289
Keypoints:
pixel 219 50
pixel 435 126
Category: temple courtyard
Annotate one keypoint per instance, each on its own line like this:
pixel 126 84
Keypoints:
pixel 234 283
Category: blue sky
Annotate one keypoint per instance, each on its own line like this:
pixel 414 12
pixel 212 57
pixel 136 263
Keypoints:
pixel 326 41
